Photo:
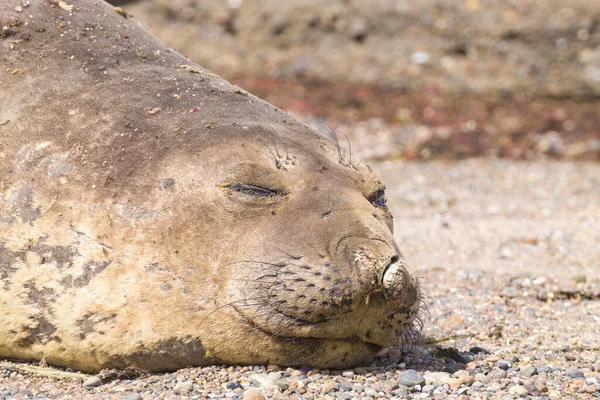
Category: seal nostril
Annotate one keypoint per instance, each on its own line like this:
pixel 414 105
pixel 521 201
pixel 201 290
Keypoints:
pixel 389 270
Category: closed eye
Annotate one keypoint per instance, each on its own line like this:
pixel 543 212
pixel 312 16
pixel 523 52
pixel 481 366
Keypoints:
pixel 252 190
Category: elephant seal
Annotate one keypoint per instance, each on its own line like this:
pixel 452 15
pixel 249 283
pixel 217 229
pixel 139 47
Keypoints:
pixel 154 215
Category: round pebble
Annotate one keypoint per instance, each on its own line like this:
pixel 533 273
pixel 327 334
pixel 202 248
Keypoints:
pixel 411 378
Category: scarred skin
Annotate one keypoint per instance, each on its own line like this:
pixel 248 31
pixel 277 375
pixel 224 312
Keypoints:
pixel 154 215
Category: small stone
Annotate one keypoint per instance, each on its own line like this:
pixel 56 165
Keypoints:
pixel 575 374
pixel 92 381
pixel 279 23
pixel 101 68
pixel 435 378
pixel 253 394
pixel 420 57
pixel 348 374
pixel 132 396
pixel 529 372
pixel 496 374
pixel 233 385
pixel 402 390
pixel 411 378
pixel 503 364
pixel 19 9
pixel 463 376
pixel 544 369
pixel 532 390
pixel 519 390
pixel 358 30
pixel 273 378
pixel 25 393
pixel 596 366
pixel 184 387
pixel 428 389
pixel 454 383
pixel 477 350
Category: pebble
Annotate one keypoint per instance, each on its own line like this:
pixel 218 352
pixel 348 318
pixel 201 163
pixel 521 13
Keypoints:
pixel 435 378
pixel 92 381
pixel 253 394
pixel 503 364
pixel 454 383
pixel 132 396
pixel 25 393
pixel 428 389
pixel 529 372
pixel 233 385
pixel 478 350
pixel 497 374
pixel 273 378
pixel 184 387
pixel 411 378
pixel 575 374
pixel 463 376
pixel 518 390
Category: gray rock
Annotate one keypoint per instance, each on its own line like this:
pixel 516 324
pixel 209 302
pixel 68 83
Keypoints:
pixel 92 381
pixel 575 373
pixel 496 374
pixel 411 378
pixel 503 364
pixel 529 372
pixel 184 387
pixel 544 369
pixel 25 393
pixel 132 396
pixel 279 23
pixel 358 30
pixel 477 350
pixel 274 378
pixel 233 385
pixel 402 390
pixel 428 389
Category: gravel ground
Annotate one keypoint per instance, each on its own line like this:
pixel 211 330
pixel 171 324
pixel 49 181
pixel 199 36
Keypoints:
pixel 509 258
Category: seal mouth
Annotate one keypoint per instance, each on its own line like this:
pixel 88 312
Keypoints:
pixel 294 322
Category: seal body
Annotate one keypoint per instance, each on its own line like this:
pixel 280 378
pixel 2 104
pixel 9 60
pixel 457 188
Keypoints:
pixel 154 215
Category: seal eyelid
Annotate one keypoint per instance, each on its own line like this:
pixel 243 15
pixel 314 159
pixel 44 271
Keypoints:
pixel 252 190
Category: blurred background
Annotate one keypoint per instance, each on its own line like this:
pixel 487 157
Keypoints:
pixel 425 79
